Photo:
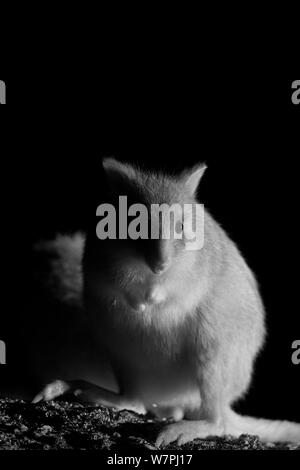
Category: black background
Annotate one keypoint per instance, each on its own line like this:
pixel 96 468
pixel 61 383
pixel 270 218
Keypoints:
pixel 56 128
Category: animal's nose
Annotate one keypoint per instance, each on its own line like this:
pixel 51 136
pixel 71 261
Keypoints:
pixel 160 256
pixel 161 267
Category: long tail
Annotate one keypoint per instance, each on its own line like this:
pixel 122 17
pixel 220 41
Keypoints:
pixel 63 275
pixel 267 430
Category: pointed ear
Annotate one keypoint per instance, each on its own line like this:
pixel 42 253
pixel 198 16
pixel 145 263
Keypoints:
pixel 117 173
pixel 191 178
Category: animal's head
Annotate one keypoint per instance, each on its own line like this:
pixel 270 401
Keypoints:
pixel 161 210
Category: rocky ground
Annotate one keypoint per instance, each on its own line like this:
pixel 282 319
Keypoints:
pixel 62 425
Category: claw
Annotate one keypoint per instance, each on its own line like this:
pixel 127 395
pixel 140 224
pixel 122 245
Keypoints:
pixel 37 398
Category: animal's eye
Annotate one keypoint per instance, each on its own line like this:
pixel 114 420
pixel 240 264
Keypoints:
pixel 179 227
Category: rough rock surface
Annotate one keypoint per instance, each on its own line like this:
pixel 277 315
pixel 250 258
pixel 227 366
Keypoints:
pixel 62 425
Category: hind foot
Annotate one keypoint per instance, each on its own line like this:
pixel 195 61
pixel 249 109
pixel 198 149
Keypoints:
pixel 186 431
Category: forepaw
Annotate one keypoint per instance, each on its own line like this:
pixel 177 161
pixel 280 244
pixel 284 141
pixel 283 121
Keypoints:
pixel 52 391
pixel 86 392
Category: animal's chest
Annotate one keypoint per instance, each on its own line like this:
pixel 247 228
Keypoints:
pixel 152 351
pixel 154 367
